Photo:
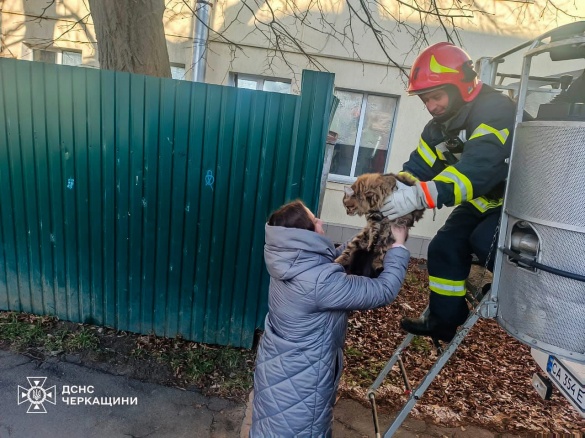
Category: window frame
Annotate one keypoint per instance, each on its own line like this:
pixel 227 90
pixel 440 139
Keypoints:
pixel 345 179
pixel 60 56
pixel 56 50
pixel 179 65
pixel 259 80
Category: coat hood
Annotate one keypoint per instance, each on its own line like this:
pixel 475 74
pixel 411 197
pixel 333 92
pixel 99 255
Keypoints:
pixel 291 251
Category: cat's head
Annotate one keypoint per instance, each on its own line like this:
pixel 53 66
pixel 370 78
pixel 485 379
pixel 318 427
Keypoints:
pixel 367 193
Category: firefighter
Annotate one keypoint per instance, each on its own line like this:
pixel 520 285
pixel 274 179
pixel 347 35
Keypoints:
pixel 461 161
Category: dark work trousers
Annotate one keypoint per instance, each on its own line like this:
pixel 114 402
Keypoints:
pixel 467 231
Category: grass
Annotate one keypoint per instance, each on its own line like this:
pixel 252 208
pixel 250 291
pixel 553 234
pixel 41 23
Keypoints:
pixel 22 331
pixel 420 344
pixel 84 339
pixel 19 333
pixel 56 343
pixel 353 352
pixel 367 374
pixel 229 368
pixel 222 371
pixel 410 278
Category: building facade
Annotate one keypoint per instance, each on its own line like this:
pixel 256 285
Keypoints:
pixel 377 123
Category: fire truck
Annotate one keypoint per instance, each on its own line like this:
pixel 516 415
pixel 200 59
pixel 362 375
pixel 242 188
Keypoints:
pixel 537 292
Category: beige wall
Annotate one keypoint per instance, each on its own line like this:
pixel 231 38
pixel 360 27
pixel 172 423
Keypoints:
pixel 505 25
pixel 67 25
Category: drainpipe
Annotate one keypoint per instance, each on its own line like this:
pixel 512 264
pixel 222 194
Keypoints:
pixel 200 35
pixel 332 138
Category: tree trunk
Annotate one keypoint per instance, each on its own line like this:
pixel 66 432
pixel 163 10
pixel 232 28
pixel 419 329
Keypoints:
pixel 130 36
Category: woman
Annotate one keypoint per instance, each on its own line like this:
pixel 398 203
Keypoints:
pixel 300 356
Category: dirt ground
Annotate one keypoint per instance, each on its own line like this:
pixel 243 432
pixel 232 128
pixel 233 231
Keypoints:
pixel 213 370
pixel 485 384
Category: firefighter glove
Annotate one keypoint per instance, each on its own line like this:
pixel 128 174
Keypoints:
pixel 409 198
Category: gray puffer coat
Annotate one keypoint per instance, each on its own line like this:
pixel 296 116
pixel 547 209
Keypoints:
pixel 300 356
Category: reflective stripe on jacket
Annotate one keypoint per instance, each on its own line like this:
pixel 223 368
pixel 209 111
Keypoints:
pixel 484 128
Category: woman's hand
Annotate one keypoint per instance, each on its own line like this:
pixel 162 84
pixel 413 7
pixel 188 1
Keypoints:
pixel 400 233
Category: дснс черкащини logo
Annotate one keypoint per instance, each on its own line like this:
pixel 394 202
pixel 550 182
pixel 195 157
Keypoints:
pixel 37 395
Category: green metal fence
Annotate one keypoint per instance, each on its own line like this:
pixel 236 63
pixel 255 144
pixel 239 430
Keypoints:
pixel 139 203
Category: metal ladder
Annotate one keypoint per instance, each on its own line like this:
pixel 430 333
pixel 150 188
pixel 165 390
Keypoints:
pixel 486 307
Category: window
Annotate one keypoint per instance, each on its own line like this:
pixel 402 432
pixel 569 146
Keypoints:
pixel 178 71
pixel 260 83
pixel 364 123
pixel 44 56
pixel 64 57
pixel 70 58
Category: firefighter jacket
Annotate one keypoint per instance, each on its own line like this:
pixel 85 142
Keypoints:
pixel 466 156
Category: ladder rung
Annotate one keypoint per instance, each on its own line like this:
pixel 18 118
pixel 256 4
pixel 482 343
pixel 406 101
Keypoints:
pixel 415 395
pixel 407 386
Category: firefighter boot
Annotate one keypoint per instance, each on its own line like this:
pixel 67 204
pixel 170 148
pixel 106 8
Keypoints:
pixel 429 325
pixel 446 313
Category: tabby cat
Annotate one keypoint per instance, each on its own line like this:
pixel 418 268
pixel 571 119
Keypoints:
pixel 364 254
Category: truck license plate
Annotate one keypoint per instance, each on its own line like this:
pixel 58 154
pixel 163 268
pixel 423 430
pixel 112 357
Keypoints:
pixel 567 382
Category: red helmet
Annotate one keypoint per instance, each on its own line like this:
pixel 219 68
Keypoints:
pixel 442 64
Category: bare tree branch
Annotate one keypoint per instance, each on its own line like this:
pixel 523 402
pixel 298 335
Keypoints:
pixel 70 27
pixel 44 11
pixel 283 26
pixel 282 29
pixel 289 30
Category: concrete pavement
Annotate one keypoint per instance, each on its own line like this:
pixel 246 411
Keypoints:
pixel 352 420
pixel 160 411
pixel 104 408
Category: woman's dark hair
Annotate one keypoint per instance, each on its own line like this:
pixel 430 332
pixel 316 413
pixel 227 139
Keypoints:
pixel 292 215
